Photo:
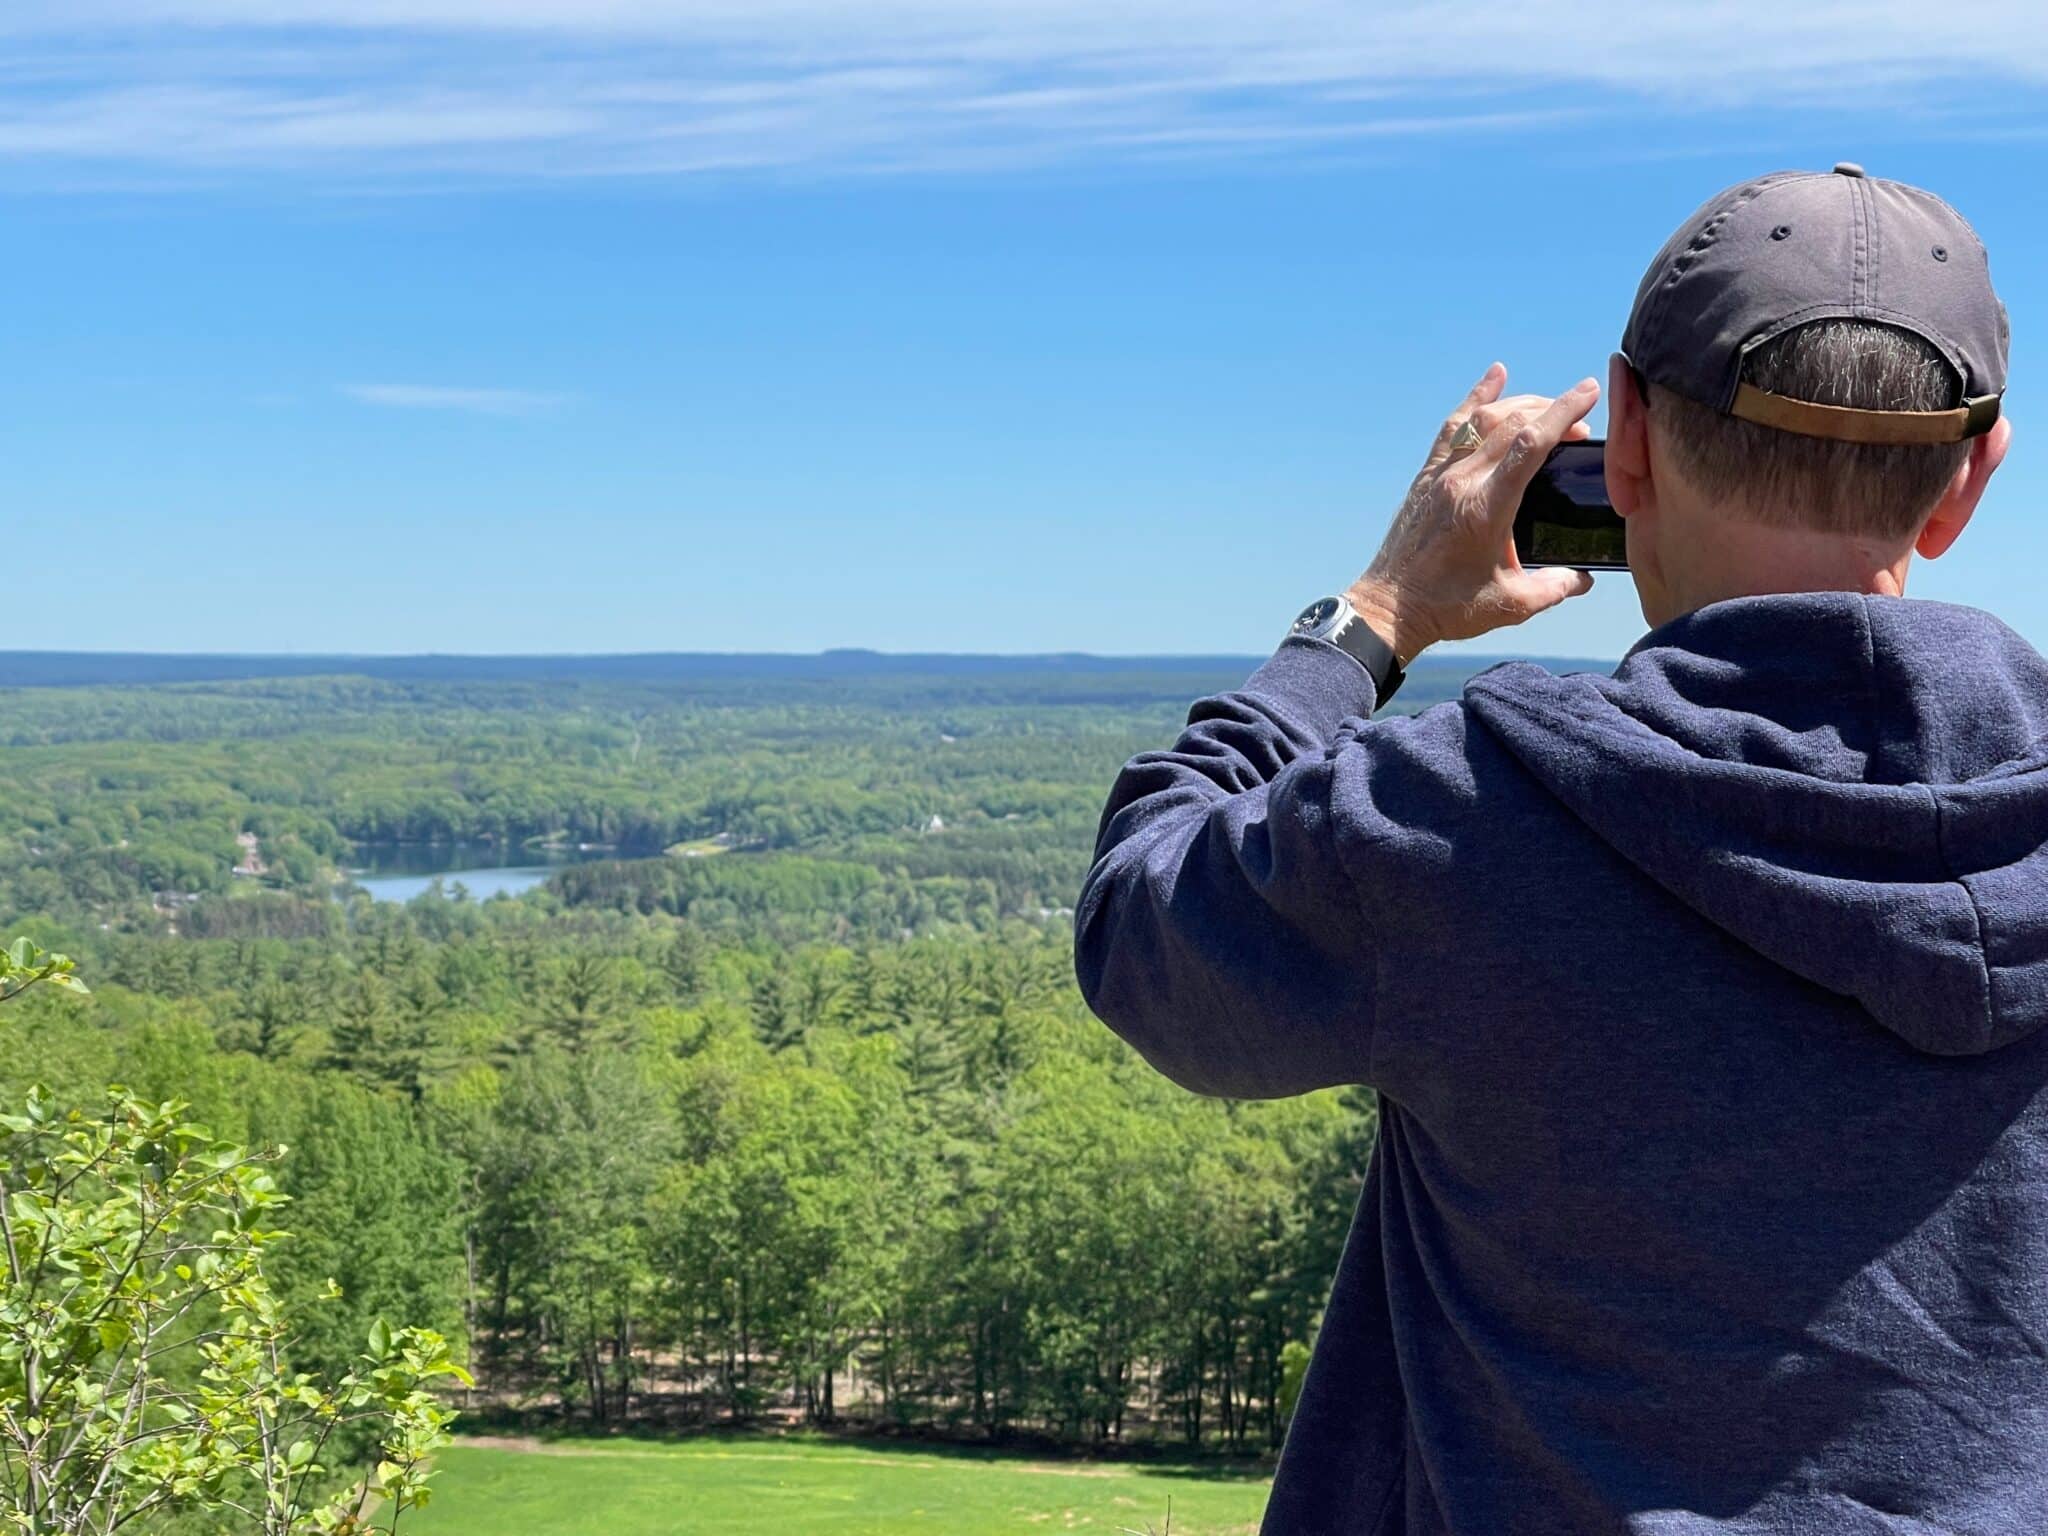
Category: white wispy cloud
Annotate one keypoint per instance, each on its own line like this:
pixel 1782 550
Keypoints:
pixel 477 402
pixel 550 88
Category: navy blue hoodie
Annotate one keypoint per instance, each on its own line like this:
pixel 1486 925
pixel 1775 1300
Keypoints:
pixel 1704 1003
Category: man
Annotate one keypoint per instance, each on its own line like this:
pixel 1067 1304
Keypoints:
pixel 1704 1001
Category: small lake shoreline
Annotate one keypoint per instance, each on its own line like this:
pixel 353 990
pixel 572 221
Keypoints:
pixel 484 868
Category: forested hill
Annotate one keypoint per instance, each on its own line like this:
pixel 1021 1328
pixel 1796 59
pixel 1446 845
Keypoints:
pixel 80 669
pixel 865 794
pixel 779 1102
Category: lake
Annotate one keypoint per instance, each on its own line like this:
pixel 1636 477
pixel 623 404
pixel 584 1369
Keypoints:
pixel 401 871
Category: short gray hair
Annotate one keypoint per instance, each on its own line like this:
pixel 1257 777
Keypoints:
pixel 1784 478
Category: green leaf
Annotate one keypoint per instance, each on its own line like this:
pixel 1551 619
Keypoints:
pixel 380 1339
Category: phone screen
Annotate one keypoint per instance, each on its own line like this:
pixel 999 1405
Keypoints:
pixel 1565 518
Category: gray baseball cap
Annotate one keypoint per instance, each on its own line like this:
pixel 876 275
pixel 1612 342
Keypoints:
pixel 1772 254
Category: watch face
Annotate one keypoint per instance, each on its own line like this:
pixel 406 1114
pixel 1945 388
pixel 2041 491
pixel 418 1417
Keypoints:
pixel 1316 615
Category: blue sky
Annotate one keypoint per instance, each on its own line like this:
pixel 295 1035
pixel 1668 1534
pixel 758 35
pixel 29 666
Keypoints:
pixel 594 325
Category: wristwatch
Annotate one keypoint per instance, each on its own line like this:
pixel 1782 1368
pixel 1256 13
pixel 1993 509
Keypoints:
pixel 1336 622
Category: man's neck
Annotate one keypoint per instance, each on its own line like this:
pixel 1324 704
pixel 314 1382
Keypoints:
pixel 1756 559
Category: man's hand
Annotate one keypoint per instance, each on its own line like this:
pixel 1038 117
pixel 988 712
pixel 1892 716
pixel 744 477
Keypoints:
pixel 1447 570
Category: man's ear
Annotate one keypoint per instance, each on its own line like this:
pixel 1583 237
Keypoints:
pixel 1951 514
pixel 1628 443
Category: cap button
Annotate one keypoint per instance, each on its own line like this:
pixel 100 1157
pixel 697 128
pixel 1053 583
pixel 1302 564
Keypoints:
pixel 1848 168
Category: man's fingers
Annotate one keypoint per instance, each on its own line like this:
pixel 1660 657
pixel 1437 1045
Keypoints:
pixel 1537 590
pixel 1516 449
pixel 1485 392
pixel 1497 424
pixel 1518 408
pixel 1508 408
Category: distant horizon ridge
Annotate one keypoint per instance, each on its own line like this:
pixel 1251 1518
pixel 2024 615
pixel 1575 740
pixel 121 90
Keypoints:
pixel 828 652
pixel 58 669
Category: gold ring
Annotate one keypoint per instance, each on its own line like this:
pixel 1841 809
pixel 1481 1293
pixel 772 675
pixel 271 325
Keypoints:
pixel 1466 438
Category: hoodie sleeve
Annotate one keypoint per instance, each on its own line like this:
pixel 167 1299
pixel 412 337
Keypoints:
pixel 1219 931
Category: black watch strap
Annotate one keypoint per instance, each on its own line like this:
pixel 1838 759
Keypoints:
pixel 1333 621
pixel 1358 640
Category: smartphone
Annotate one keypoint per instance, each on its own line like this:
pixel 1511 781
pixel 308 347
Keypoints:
pixel 1565 517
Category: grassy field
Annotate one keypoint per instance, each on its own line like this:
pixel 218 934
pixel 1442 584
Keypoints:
pixel 796 1487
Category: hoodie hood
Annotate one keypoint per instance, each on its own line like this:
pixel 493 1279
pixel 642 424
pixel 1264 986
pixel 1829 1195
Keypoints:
pixel 1854 787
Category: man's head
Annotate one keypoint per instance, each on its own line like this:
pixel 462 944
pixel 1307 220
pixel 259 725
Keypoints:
pixel 1807 394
